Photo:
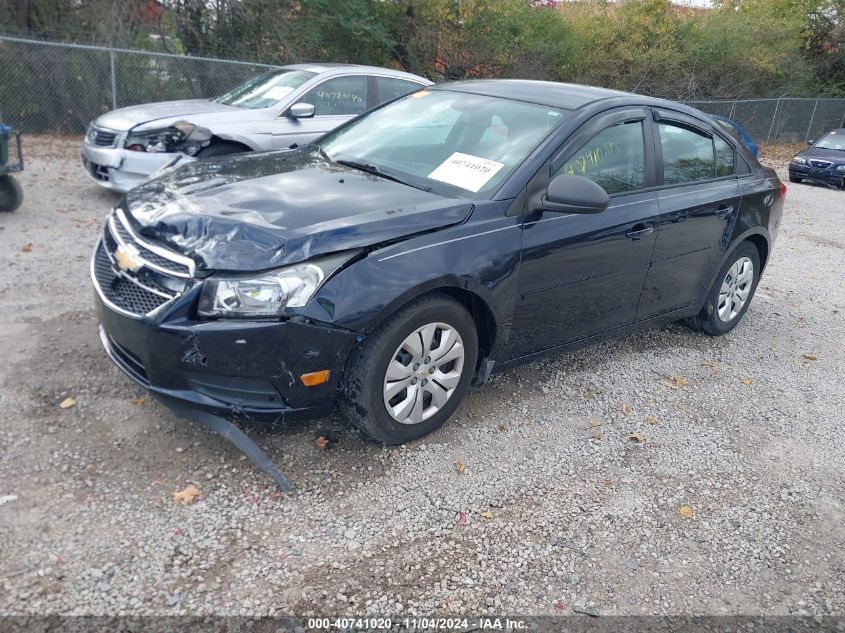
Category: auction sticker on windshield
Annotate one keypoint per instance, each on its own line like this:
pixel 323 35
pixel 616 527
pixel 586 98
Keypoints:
pixel 466 171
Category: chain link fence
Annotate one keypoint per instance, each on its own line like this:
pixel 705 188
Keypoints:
pixel 48 87
pixel 787 119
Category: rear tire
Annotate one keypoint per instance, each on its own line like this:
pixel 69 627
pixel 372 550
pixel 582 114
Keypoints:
pixel 731 293
pixel 11 194
pixel 411 374
pixel 221 149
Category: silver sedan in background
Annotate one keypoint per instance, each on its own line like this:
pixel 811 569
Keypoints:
pixel 273 110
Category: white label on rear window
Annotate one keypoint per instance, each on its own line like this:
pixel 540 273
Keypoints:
pixel 466 171
pixel 277 92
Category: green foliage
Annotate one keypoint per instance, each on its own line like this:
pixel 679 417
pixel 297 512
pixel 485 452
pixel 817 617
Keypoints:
pixel 739 48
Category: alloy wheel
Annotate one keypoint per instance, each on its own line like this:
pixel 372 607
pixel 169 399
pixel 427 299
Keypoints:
pixel 735 289
pixel 423 373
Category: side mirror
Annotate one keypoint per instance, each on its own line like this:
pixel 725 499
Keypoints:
pixel 574 194
pixel 301 111
pixel 812 141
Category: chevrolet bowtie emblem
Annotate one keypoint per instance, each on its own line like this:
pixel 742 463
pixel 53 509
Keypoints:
pixel 126 259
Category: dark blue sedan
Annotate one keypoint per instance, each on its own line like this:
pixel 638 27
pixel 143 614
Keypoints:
pixel 453 233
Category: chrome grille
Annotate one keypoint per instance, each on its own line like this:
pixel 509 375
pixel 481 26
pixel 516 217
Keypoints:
pixel 101 138
pixel 156 277
pixel 820 164
pixel 153 256
pixel 121 291
pixel 124 235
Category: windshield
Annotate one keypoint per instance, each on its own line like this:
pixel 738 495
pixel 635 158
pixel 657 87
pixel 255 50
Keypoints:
pixel 834 140
pixel 450 142
pixel 266 89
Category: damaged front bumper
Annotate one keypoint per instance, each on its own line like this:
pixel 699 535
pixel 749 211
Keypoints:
pixel 245 370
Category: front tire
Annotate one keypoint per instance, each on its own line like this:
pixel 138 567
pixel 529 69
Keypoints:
pixel 411 374
pixel 731 293
pixel 795 179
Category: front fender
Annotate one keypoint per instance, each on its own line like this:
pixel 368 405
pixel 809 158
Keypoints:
pixel 479 258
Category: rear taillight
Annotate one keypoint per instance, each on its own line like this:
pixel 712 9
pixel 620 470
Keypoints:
pixel 782 191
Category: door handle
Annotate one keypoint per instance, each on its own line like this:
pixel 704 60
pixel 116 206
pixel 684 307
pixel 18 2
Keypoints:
pixel 724 210
pixel 640 231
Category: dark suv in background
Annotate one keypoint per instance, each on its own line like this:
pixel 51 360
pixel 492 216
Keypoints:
pixel 451 234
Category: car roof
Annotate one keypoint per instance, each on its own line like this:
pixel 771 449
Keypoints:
pixel 329 68
pixel 548 93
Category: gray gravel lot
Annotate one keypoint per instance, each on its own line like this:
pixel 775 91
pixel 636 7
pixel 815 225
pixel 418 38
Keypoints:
pixel 555 509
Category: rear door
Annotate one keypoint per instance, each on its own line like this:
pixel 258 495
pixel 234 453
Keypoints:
pixel 583 274
pixel 699 203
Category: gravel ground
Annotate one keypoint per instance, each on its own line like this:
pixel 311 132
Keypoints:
pixel 555 510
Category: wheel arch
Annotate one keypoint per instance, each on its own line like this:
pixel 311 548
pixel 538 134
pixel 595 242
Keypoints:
pixel 465 292
pixel 217 139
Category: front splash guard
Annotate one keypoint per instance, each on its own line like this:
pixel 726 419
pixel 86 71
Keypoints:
pixel 229 431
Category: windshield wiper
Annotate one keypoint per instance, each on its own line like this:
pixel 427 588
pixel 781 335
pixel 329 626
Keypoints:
pixel 377 171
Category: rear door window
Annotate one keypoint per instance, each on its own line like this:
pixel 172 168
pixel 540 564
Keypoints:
pixel 390 88
pixel 688 155
pixel 725 160
pixel 338 96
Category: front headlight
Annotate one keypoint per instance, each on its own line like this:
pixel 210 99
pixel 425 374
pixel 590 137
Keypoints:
pixel 181 136
pixel 149 141
pixel 271 293
pixel 840 168
pixel 798 160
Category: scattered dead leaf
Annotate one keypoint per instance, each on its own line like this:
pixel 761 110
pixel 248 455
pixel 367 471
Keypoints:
pixel 651 420
pixel 675 382
pixel 636 437
pixel 67 403
pixel 626 409
pixel 746 381
pixel 598 436
pixel 460 467
pixel 487 514
pixel 810 357
pixel 595 424
pixel 462 518
pixel 686 512
pixel 276 495
pixel 156 482
pixel 709 363
pixel 138 401
pixel 186 495
pixel 502 428
pixel 608 482
pixel 321 442
pixel 26 248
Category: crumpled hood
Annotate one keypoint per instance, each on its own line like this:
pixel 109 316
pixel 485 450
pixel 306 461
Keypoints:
pixel 124 119
pixel 264 210
pixel 835 155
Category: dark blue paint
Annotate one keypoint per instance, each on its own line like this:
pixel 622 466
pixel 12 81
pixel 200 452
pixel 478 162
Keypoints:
pixel 539 282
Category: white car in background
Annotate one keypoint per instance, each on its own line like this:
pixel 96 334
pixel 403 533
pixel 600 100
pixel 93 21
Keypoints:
pixel 273 110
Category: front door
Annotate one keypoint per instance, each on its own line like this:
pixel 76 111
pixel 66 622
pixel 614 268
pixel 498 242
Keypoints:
pixel 582 274
pixel 335 101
